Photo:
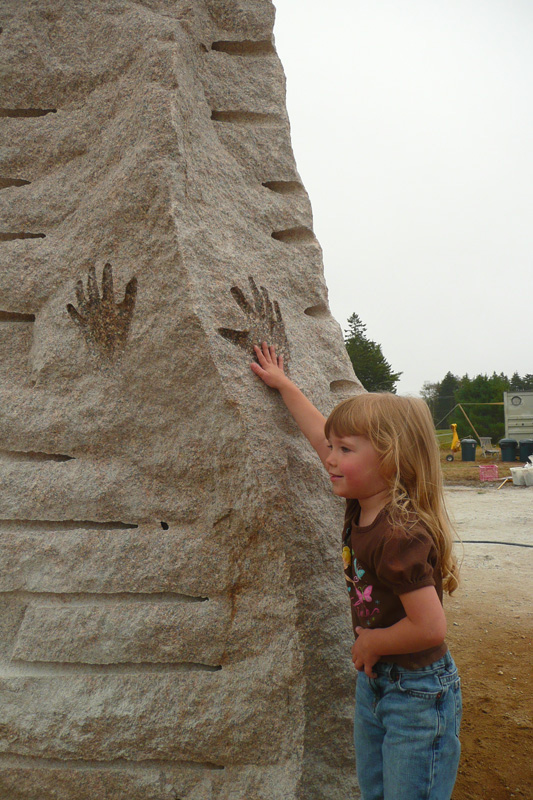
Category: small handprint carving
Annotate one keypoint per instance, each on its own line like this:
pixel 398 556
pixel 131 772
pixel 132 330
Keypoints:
pixel 104 323
pixel 264 322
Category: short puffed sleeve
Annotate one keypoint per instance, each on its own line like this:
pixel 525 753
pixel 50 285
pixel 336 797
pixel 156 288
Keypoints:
pixel 406 561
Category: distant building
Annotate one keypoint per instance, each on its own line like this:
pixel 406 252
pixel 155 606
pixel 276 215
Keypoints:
pixel 518 409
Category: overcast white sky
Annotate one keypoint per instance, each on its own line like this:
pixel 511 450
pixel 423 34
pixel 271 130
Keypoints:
pixel 412 127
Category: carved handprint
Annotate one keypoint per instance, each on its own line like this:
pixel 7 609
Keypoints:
pixel 104 323
pixel 264 322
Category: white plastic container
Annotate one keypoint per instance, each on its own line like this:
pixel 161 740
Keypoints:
pixel 518 475
pixel 528 477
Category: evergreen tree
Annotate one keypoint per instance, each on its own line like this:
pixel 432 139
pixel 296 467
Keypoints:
pixel 515 384
pixel 445 399
pixel 369 363
pixel 518 384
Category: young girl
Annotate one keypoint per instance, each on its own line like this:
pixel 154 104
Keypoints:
pixel 381 454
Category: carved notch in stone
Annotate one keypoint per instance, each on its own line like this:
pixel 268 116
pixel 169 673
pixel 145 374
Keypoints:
pixel 104 323
pixel 245 47
pixel 264 322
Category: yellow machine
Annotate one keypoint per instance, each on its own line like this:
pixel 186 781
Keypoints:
pixel 456 442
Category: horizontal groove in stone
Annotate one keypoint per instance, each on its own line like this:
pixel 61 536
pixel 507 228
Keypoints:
pixel 9 760
pixel 318 311
pixel 64 525
pixel 7 183
pixel 26 112
pixel 109 598
pixel 343 385
pixel 31 455
pixel 299 235
pixel 245 118
pixel 8 236
pixel 246 47
pixel 16 316
pixel 54 669
pixel 284 187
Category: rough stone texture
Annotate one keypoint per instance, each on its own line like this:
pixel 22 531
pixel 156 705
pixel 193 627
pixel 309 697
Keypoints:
pixel 172 613
pixel 122 632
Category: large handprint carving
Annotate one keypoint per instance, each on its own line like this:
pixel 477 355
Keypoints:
pixel 264 322
pixel 104 323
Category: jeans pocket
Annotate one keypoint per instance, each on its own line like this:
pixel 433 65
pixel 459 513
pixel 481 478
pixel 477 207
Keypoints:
pixel 426 686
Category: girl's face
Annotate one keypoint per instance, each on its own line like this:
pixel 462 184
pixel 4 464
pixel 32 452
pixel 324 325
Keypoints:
pixel 354 468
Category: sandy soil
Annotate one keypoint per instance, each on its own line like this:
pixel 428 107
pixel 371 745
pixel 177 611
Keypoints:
pixel 490 627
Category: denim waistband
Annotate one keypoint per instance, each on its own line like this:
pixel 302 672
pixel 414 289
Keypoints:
pixel 392 670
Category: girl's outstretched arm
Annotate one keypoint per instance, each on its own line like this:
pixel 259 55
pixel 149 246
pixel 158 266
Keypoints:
pixel 307 417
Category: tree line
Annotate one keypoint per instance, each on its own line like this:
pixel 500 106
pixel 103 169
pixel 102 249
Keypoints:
pixel 377 375
pixel 488 420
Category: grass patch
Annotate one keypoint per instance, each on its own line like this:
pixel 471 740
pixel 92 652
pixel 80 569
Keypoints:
pixel 466 473
pixel 444 438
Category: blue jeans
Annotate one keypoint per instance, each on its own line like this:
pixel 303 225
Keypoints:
pixel 406 731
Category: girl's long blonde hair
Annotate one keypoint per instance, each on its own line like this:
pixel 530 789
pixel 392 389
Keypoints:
pixel 402 433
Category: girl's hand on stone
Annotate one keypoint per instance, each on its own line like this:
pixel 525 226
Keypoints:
pixel 363 655
pixel 269 367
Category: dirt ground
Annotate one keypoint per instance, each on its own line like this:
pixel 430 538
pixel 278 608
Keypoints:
pixel 490 627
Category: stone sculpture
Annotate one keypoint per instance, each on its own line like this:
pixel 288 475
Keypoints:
pixel 172 613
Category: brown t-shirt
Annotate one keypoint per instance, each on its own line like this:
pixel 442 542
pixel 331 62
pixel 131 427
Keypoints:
pixel 383 561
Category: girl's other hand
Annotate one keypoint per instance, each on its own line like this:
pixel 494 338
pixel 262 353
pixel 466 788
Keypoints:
pixel 270 366
pixel 363 655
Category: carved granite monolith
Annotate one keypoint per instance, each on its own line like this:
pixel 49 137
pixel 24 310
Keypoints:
pixel 173 620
